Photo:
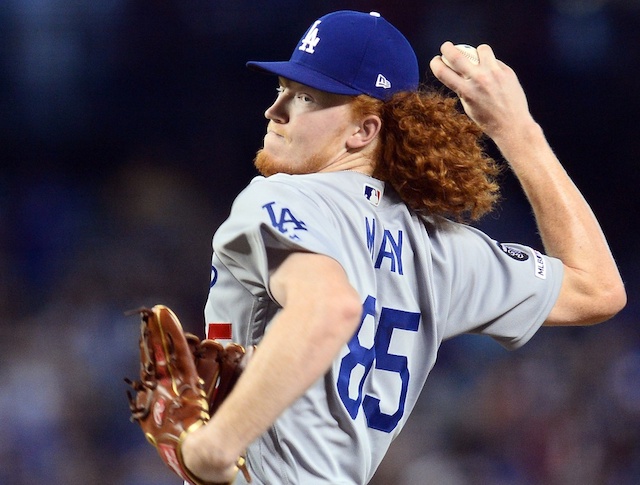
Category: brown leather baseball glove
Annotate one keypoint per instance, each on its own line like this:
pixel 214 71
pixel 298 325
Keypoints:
pixel 182 382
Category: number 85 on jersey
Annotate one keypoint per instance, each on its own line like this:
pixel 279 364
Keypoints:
pixel 361 361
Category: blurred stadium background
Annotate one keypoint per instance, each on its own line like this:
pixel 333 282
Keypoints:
pixel 128 126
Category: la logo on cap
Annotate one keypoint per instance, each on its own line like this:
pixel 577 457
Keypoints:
pixel 311 40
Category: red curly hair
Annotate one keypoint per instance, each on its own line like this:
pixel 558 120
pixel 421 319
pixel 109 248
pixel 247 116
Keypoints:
pixel 432 154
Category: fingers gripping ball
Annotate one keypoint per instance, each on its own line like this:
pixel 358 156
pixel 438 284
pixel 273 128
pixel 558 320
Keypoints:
pixel 468 51
pixel 170 398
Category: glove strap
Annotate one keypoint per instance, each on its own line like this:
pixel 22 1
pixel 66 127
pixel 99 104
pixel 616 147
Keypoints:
pixel 241 463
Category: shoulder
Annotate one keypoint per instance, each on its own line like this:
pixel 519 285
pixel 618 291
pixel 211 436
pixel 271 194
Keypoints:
pixel 315 189
pixel 446 230
pixel 262 191
pixel 324 179
pixel 285 205
pixel 460 244
pixel 279 185
pixel 284 179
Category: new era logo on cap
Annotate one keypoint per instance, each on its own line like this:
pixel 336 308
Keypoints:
pixel 350 53
pixel 382 82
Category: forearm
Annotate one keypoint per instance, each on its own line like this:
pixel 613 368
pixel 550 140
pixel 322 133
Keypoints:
pixel 287 362
pixel 283 366
pixel 568 228
pixel 320 313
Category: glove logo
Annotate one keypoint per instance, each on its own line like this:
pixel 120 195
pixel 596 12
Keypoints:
pixel 158 412
pixel 171 459
pixel 159 355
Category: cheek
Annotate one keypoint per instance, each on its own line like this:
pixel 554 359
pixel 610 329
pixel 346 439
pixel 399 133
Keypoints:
pixel 313 132
pixel 326 131
pixel 335 134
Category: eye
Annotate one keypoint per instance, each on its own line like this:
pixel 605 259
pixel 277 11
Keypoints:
pixel 305 98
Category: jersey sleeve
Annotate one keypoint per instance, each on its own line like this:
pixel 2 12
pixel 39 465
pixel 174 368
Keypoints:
pixel 269 219
pixel 504 290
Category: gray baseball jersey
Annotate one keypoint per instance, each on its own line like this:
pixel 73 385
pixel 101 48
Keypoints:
pixel 421 280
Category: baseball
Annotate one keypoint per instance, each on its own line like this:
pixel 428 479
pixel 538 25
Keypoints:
pixel 469 52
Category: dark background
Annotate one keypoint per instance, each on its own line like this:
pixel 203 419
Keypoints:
pixel 126 129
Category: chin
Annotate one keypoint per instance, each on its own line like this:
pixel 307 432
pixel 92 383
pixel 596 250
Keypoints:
pixel 265 164
pixel 268 165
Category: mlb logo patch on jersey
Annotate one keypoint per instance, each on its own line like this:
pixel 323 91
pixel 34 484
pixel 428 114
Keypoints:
pixel 373 194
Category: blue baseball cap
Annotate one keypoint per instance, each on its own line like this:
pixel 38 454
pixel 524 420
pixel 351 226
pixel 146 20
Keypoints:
pixel 350 53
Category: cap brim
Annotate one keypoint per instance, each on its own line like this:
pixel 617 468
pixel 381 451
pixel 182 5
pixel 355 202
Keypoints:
pixel 303 75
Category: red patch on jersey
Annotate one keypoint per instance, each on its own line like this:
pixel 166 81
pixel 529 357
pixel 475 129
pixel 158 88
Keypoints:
pixel 219 331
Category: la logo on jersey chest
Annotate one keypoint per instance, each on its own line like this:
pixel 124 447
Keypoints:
pixel 386 250
pixel 284 221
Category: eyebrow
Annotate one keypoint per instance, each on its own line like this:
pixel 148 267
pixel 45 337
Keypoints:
pixel 329 99
pixel 287 83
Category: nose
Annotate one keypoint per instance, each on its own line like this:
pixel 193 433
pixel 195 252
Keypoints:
pixel 276 112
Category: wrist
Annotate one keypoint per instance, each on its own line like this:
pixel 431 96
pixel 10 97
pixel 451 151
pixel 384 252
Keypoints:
pixel 521 140
pixel 205 463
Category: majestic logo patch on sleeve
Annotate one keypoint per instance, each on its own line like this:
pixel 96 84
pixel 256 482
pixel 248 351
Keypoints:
pixel 372 194
pixel 514 253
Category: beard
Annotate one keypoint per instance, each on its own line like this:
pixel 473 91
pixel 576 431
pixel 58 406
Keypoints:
pixel 268 165
pixel 265 164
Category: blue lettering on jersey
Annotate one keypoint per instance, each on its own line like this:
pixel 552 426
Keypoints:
pixel 371 234
pixel 285 221
pixel 214 276
pixel 392 249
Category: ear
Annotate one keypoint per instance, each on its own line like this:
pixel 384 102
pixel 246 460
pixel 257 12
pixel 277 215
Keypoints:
pixel 366 132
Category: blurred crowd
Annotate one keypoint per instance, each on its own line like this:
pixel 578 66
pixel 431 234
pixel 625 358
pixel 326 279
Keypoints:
pixel 127 128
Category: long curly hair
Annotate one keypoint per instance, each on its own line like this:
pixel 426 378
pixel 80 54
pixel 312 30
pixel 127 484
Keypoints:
pixel 433 154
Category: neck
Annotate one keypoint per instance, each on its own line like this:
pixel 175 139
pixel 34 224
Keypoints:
pixel 358 161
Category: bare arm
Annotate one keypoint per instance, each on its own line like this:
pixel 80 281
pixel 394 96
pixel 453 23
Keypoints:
pixel 592 290
pixel 321 311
